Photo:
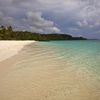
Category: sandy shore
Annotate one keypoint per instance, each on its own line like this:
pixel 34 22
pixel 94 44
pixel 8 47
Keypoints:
pixel 11 48
pixel 36 73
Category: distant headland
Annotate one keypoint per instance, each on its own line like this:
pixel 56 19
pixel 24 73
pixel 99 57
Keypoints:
pixel 7 33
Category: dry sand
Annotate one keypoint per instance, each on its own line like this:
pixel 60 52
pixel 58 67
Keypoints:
pixel 11 48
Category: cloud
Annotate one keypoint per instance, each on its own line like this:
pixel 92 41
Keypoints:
pixel 68 16
pixel 37 23
pixel 19 14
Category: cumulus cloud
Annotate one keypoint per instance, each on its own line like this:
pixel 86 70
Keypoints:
pixel 22 15
pixel 68 16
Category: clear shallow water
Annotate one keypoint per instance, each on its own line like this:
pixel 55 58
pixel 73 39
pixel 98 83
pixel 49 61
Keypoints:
pixel 56 70
pixel 81 53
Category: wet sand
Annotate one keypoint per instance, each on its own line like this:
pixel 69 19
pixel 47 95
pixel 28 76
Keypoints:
pixel 36 73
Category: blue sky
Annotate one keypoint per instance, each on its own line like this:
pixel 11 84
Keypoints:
pixel 75 17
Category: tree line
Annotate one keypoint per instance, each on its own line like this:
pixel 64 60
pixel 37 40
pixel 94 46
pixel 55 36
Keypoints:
pixel 7 33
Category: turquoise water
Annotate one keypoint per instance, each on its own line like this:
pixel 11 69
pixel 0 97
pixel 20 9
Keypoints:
pixel 79 53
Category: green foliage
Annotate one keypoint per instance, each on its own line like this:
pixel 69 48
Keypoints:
pixel 7 33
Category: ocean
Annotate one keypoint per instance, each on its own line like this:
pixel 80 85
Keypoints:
pixel 78 53
pixel 55 70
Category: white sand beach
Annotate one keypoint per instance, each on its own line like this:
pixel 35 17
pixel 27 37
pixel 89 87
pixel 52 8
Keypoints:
pixel 11 48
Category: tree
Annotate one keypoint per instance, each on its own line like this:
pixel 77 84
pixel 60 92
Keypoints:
pixel 2 32
pixel 10 29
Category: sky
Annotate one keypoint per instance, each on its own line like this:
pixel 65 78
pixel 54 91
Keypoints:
pixel 75 17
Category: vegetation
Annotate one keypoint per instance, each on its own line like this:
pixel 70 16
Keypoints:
pixel 7 33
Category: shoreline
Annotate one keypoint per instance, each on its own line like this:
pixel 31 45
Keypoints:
pixel 37 74
pixel 9 54
pixel 11 48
